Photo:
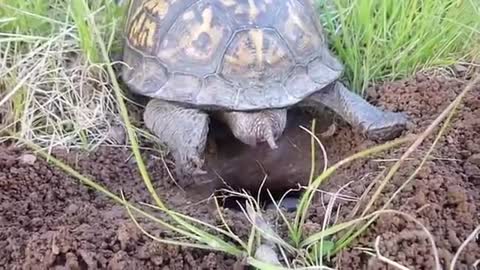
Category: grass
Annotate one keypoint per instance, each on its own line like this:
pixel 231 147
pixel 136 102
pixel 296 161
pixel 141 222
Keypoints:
pixel 58 89
pixel 382 40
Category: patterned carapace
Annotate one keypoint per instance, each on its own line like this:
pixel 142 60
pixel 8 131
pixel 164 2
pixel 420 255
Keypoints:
pixel 235 54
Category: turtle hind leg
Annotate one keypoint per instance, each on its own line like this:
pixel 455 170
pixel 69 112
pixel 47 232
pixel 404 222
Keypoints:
pixel 184 131
pixel 257 126
pixel 372 121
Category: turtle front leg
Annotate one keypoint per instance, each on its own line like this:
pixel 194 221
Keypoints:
pixel 184 131
pixel 372 122
pixel 254 127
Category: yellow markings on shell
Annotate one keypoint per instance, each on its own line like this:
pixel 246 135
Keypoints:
pixel 256 35
pixel 158 7
pixel 292 20
pixel 136 24
pixel 190 15
pixel 256 55
pixel 142 31
pixel 293 17
pixel 193 30
pixel 149 29
pixel 253 10
pixel 228 3
pixel 247 57
pixel 135 29
pixel 275 55
pixel 206 26
pixel 241 58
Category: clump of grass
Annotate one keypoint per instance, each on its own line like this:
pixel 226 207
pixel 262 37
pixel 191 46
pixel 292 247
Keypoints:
pixel 386 40
pixel 51 80
pixel 56 103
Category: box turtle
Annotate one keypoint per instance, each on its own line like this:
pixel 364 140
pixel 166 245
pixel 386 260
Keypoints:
pixel 243 62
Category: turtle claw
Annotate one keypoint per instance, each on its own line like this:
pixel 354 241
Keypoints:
pixel 390 126
pixel 371 121
pixel 271 143
pixel 196 166
pixel 199 172
pixel 188 167
pixel 270 138
pixel 187 176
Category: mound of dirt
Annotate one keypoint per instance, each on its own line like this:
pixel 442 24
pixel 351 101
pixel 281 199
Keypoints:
pixel 51 221
pixel 444 196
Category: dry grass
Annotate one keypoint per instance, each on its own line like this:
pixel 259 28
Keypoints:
pixel 57 98
pixel 52 94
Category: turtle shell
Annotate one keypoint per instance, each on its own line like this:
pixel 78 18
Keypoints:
pixel 227 54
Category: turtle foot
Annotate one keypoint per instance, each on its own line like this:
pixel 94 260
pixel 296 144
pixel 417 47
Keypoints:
pixel 188 168
pixel 252 128
pixel 388 127
pixel 374 123
pixel 184 132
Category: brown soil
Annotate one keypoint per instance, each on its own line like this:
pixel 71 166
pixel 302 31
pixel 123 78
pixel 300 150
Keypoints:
pixel 51 221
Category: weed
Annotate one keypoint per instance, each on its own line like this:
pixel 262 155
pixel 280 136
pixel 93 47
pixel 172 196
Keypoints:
pixel 380 40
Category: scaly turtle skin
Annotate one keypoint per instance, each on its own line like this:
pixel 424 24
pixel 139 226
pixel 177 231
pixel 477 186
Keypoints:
pixel 244 62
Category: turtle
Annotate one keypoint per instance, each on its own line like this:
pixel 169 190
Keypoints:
pixel 244 63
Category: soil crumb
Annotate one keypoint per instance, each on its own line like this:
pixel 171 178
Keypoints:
pixel 49 220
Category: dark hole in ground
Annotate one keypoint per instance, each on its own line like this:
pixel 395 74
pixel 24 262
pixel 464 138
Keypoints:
pixel 241 167
pixel 238 203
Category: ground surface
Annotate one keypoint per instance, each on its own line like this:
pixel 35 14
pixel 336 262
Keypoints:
pixel 51 221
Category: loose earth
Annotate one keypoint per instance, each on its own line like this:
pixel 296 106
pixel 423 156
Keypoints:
pixel 49 220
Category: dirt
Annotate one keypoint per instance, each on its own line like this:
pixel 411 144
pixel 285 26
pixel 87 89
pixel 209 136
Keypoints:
pixel 49 220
